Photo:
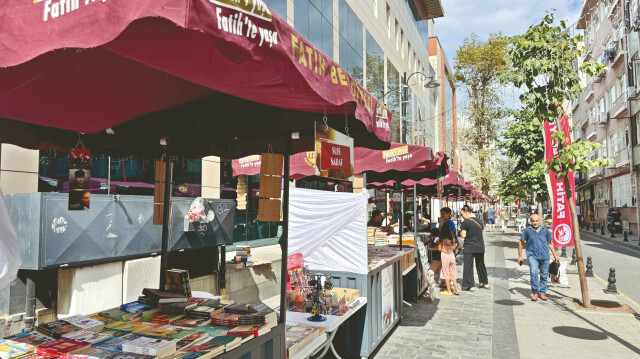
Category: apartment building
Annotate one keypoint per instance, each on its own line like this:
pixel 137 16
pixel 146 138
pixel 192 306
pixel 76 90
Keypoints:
pixel 603 111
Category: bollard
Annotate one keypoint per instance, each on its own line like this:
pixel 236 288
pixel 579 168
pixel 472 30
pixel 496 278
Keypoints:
pixel 573 257
pixel 612 235
pixel 624 234
pixel 589 266
pixel 564 252
pixel 602 230
pixel 611 288
pixel 593 226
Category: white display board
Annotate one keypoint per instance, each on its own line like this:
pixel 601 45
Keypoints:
pixel 329 229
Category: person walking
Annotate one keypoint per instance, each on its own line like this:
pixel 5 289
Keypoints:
pixel 491 218
pixel 449 271
pixel 539 243
pixel 579 214
pixel 471 231
pixel 504 219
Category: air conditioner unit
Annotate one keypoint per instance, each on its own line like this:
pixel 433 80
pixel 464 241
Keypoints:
pixel 633 92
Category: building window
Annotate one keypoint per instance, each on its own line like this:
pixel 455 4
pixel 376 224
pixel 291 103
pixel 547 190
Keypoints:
pixel 388 21
pixel 622 191
pixel 397 30
pixel 313 19
pixel 351 42
pixel 375 68
pixel 279 6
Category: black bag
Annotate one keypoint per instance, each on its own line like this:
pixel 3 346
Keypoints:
pixel 554 269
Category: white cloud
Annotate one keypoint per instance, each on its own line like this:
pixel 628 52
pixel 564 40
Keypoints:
pixel 483 17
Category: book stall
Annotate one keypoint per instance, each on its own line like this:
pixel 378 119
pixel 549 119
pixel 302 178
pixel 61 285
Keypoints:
pixel 168 87
pixel 160 324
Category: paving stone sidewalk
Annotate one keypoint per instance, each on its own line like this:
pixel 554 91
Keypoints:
pixel 503 322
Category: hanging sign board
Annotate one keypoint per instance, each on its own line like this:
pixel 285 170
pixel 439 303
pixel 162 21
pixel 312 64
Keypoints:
pixel 334 153
pixel 79 179
pixel 397 197
pixel 562 221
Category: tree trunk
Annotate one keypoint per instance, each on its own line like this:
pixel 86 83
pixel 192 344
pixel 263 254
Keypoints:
pixel 582 275
pixel 586 301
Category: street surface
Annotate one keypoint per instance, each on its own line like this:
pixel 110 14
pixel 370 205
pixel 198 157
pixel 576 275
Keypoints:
pixel 503 322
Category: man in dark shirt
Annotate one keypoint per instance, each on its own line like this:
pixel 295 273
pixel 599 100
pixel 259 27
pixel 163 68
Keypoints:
pixel 539 243
pixel 471 231
pixel 376 219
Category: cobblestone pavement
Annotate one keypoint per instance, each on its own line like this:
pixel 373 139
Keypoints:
pixel 503 322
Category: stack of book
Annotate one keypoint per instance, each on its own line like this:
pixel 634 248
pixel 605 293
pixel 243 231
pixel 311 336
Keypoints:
pixel 228 342
pixel 255 329
pixel 176 308
pixel 258 318
pixel 393 239
pixel 159 348
pixel 61 348
pixel 91 353
pixel 371 235
pixel 191 339
pixel 114 344
pixel 164 319
pixel 243 255
pixel 192 322
pixel 226 319
pixel 238 308
pixel 177 281
pixel 155 297
pixel 380 239
pixel 298 337
pixel 241 192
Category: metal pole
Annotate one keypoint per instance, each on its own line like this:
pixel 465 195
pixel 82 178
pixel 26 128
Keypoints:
pixel 401 215
pixel 285 231
pixel 415 214
pixel 109 175
pixel 166 213
pixel 405 95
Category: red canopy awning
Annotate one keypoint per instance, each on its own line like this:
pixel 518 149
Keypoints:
pixel 401 162
pixel 88 66
pixel 301 165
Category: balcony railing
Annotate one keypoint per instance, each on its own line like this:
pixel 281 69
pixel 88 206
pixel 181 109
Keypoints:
pixel 622 158
pixel 619 106
pixel 618 53
pixel 591 131
pixel 596 172
pixel 588 91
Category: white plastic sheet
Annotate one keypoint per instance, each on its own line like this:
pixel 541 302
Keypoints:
pixel 9 247
pixel 562 275
pixel 329 229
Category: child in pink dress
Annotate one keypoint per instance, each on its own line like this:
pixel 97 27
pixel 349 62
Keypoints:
pixel 448 272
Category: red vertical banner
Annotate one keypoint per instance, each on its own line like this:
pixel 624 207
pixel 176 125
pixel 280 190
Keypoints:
pixel 562 232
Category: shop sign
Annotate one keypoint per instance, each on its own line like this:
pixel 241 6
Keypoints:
pixel 397 154
pixel 562 232
pixel 334 153
pixel 388 283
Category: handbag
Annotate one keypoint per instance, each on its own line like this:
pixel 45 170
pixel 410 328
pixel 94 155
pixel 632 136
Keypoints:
pixel 554 269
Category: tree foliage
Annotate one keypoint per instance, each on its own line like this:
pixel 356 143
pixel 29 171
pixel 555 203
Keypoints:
pixel 525 149
pixel 477 64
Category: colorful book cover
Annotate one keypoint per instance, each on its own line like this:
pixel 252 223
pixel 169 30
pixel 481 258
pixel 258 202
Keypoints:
pixel 131 356
pixel 88 336
pixel 60 347
pixel 118 315
pixel 135 307
pixel 100 318
pixel 177 332
pixel 154 332
pixel 214 330
pixel 9 352
pixel 91 353
pixel 191 339
pixel 27 341
pixel 192 322
pixel 126 326
pixel 150 313
pixel 255 329
pixel 114 344
pixel 84 322
pixel 224 340
pixel 57 329
pixel 162 296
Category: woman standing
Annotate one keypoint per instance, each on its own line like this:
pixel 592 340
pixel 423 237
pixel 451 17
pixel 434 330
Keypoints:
pixel 504 218
pixel 471 231
pixel 448 272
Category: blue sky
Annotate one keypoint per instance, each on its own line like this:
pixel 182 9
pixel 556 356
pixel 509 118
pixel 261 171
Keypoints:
pixel 482 17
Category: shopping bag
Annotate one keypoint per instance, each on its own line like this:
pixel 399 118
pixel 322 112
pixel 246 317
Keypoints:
pixel 562 276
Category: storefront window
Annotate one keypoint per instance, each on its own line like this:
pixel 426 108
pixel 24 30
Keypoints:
pixel 313 19
pixel 350 42
pixel 131 175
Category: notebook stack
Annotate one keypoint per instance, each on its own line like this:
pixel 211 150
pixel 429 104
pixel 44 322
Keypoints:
pixel 380 238
pixel 371 235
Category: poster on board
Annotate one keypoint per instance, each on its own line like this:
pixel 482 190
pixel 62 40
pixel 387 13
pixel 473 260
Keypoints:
pixel 79 179
pixel 334 153
pixel 387 284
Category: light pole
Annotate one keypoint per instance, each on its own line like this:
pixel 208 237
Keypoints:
pixel 404 94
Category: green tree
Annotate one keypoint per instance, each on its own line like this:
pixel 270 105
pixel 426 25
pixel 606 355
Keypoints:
pixel 525 150
pixel 477 65
pixel 541 60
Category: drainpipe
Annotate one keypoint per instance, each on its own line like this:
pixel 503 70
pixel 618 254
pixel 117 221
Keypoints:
pixel 30 311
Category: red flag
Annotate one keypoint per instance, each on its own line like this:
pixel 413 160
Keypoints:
pixel 562 221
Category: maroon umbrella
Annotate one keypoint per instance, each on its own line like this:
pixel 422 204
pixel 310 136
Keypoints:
pixel 83 67
pixel 301 165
